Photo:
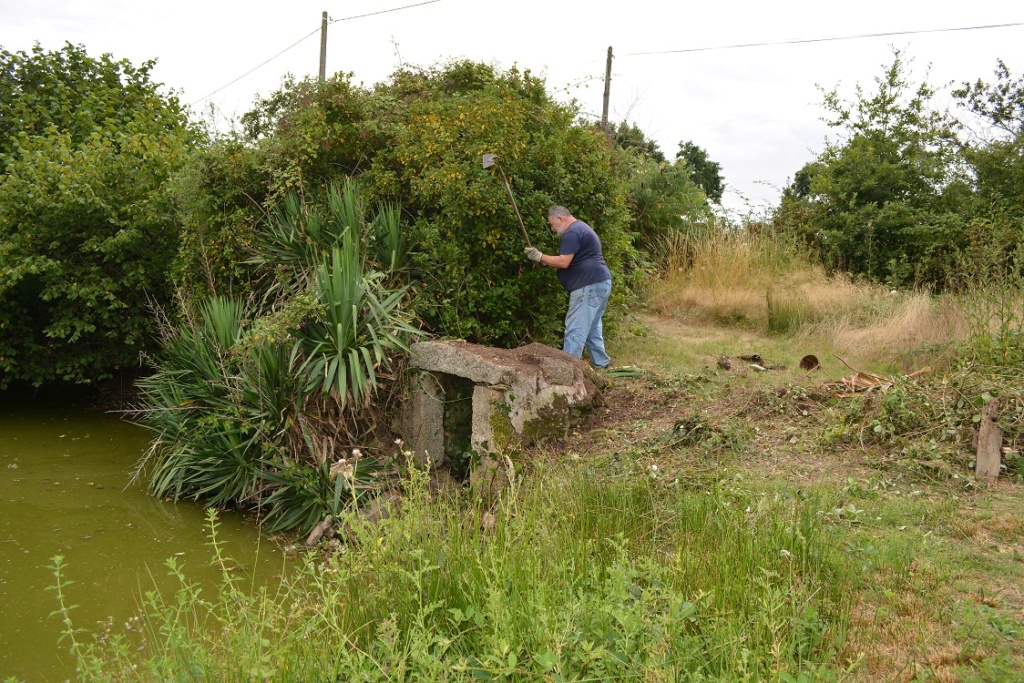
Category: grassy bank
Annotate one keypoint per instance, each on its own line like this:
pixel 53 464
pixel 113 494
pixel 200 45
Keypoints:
pixel 595 570
pixel 713 522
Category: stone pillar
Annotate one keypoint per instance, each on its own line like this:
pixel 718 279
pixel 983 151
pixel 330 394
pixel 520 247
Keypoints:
pixel 492 429
pixel 423 420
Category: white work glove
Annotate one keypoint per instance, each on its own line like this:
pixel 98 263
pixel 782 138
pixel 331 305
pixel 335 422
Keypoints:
pixel 533 254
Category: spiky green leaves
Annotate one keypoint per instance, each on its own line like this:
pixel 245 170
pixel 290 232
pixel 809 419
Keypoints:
pixel 250 403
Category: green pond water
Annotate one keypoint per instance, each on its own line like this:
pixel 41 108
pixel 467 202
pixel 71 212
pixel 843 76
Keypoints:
pixel 65 489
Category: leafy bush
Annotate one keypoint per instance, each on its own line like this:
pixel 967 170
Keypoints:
pixel 883 202
pixel 87 148
pixel 418 141
pixel 664 202
pixel 909 195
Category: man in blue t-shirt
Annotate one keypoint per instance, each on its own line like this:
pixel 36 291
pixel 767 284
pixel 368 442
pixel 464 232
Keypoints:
pixel 584 274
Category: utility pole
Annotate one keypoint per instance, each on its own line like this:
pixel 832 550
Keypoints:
pixel 323 47
pixel 607 89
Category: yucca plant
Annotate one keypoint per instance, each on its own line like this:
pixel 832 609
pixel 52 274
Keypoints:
pixel 251 405
pixel 302 495
pixel 359 325
pixel 388 249
pixel 300 237
pixel 205 444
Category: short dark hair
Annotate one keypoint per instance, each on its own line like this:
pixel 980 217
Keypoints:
pixel 557 210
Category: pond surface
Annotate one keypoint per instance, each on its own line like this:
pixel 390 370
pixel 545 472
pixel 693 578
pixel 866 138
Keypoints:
pixel 65 489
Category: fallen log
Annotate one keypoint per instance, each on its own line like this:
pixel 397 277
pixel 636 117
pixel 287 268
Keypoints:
pixel 318 531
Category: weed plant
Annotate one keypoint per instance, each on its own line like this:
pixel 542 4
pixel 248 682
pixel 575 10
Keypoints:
pixel 995 313
pixel 584 577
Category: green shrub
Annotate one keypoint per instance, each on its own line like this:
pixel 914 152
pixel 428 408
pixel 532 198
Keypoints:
pixel 87 233
pixel 417 141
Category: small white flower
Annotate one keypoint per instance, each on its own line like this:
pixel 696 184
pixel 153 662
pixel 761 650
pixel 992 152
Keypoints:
pixel 342 467
pixel 785 553
pixel 654 468
pixel 398 442
pixel 356 454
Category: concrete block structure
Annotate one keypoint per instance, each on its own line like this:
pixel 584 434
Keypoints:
pixel 465 395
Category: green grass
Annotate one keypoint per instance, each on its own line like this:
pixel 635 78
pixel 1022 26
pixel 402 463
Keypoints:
pixel 938 557
pixel 715 525
pixel 589 574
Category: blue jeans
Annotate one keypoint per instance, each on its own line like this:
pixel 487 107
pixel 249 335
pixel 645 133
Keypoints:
pixel 583 322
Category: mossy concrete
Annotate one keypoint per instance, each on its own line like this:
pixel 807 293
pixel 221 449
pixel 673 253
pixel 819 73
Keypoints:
pixel 527 395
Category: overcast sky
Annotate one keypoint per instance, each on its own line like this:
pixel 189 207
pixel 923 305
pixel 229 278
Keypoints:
pixel 756 110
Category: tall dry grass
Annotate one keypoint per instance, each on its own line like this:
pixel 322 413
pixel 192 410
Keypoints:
pixel 917 328
pixel 768 284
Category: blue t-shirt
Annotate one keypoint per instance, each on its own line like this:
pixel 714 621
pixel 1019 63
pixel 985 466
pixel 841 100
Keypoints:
pixel 588 264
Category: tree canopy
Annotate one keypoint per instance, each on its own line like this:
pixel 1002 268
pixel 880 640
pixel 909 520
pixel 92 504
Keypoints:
pixel 417 141
pixel 706 173
pixel 883 200
pixel 629 137
pixel 996 151
pixel 86 227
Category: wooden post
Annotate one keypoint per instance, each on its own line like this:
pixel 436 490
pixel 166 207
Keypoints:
pixel 990 443
pixel 607 89
pixel 323 47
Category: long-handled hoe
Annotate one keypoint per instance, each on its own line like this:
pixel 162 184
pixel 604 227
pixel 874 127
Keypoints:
pixel 492 160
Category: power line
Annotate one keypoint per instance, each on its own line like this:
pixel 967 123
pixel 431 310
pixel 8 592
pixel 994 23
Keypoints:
pixel 384 11
pixel 824 40
pixel 304 38
pixel 261 64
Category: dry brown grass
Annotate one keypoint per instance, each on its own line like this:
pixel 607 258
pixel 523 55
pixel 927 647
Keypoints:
pixel 703 296
pixel 765 285
pixel 893 327
pixel 724 276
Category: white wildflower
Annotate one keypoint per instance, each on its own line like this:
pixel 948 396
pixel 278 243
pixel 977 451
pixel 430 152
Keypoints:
pixel 343 467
